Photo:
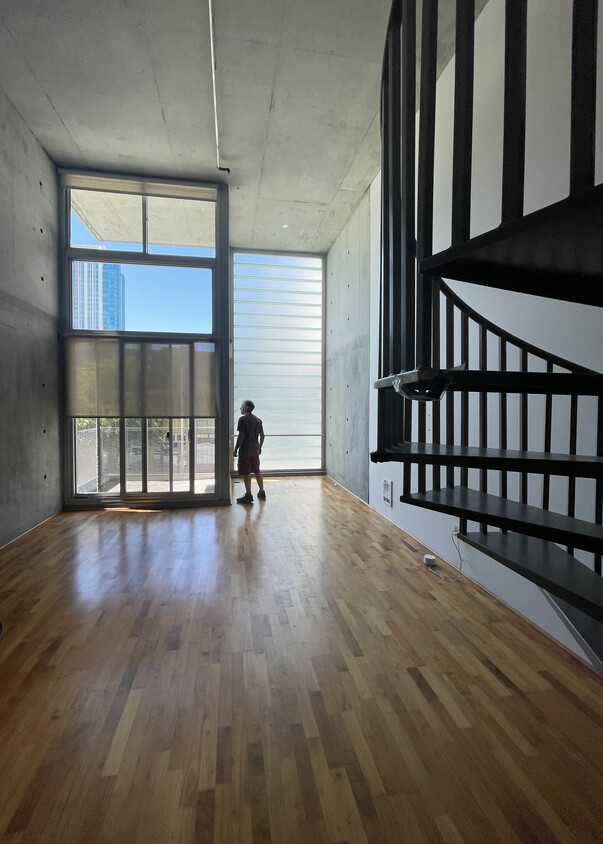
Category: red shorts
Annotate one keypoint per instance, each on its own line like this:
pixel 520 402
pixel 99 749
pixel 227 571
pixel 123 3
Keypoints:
pixel 249 463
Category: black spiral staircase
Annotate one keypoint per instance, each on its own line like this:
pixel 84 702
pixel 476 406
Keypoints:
pixel 449 377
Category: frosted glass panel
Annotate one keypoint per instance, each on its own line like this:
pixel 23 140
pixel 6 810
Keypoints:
pixel 278 354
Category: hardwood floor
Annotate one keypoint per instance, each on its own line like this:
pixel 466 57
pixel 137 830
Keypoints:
pixel 287 672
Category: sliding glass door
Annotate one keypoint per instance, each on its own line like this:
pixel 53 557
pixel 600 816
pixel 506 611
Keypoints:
pixel 146 319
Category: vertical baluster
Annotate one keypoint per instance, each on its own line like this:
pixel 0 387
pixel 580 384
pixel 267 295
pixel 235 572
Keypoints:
pixel 383 419
pixel 584 73
pixel 436 415
pixel 523 431
pixel 384 303
pixel 548 427
pixel 449 394
pixel 463 121
pixel 571 482
pixel 429 46
pixel 464 408
pixel 464 394
pixel 406 409
pixel 407 183
pixel 392 193
pixel 392 417
pixel 599 483
pixel 514 140
pixel 394 209
pixel 503 421
pixel 483 412
pixel 421 468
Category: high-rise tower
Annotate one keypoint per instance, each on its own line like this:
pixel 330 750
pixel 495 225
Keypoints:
pixel 98 296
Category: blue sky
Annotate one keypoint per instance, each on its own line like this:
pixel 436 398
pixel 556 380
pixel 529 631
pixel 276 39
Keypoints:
pixel 159 299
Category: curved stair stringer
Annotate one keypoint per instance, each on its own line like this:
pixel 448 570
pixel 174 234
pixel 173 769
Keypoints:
pixel 537 509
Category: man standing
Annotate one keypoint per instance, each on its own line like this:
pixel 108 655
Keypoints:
pixel 249 447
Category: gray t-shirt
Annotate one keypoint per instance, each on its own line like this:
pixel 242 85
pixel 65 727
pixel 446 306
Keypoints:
pixel 252 429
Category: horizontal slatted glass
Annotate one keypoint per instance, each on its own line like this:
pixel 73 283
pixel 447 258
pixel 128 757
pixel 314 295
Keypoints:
pixel 278 354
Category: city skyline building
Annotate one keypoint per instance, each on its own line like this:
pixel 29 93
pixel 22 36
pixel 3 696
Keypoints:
pixel 98 296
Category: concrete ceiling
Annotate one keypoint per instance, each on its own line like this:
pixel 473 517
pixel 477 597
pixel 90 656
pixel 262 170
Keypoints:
pixel 125 86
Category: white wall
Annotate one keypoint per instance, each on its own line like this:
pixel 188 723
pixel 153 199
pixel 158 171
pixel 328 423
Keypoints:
pixel 572 331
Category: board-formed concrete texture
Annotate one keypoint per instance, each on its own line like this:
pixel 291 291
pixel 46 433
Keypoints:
pixel 30 467
pixel 347 355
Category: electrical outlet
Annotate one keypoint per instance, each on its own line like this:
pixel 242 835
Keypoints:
pixel 387 492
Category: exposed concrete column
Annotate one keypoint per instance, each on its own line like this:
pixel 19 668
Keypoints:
pixel 347 354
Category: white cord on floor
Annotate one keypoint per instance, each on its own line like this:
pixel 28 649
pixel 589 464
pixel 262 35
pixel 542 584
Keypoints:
pixel 458 575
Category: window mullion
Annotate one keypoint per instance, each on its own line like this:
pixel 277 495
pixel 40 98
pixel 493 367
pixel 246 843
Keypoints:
pixel 145 221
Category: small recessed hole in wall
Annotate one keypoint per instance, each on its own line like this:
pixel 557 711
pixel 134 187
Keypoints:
pixel 41 231
pixel 43 385
pixel 45 476
pixel 44 430
pixel 41 278
pixel 40 184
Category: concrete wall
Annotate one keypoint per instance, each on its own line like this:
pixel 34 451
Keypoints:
pixel 347 354
pixel 30 476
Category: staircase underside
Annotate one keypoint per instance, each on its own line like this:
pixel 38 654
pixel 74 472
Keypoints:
pixel 546 565
pixel 510 515
pixel 555 252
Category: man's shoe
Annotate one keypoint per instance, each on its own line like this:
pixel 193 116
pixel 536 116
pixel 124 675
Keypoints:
pixel 262 495
pixel 245 499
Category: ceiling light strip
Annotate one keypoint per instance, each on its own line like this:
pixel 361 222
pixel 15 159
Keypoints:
pixel 212 44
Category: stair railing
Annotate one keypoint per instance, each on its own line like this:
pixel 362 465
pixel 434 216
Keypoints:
pixel 544 423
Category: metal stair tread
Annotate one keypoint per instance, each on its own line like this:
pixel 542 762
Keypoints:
pixel 511 515
pixel 550 463
pixel 545 564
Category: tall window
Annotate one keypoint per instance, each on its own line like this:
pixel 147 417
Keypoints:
pixel 143 323
pixel 278 354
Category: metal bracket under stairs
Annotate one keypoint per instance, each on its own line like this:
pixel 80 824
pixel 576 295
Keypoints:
pixel 471 457
pixel 430 384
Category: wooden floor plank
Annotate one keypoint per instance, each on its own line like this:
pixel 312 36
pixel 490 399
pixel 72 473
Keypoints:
pixel 287 673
